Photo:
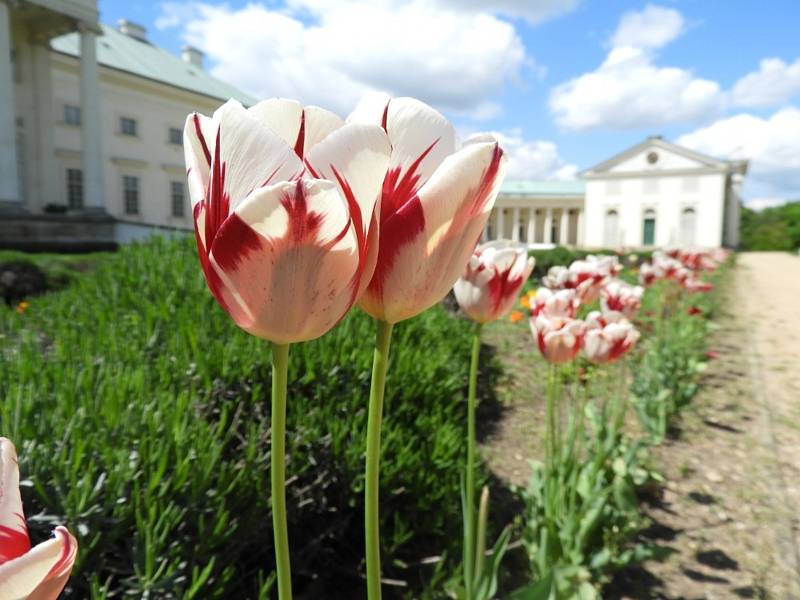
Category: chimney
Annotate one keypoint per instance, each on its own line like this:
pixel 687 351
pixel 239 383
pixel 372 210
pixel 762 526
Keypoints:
pixel 193 56
pixel 131 29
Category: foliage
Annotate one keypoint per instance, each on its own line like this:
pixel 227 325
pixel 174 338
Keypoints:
pixel 141 417
pixel 775 228
pixel 564 256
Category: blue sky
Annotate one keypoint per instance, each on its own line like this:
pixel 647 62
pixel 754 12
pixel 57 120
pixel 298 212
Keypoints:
pixel 564 83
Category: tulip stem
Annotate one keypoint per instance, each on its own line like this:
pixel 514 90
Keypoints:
pixel 469 530
pixel 280 365
pixel 380 364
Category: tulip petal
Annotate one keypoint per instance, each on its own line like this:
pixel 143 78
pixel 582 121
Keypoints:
pixel 425 246
pixel 288 259
pixel 282 116
pixel 319 124
pixel 42 573
pixel 14 539
pixel 356 158
pixel 199 133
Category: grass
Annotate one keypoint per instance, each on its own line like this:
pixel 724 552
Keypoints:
pixel 141 418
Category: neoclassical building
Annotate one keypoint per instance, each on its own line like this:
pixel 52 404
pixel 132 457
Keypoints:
pixel 653 194
pixel 91 126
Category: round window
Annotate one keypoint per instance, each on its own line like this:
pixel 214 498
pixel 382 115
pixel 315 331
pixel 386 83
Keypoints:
pixel 652 158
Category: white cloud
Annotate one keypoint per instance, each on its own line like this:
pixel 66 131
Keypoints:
pixel 330 53
pixel 772 145
pixel 533 159
pixel 628 91
pixel 762 203
pixel 652 27
pixel 775 82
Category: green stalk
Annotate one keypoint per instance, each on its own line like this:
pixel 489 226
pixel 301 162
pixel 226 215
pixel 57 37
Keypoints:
pixel 380 364
pixel 480 541
pixel 280 366
pixel 469 542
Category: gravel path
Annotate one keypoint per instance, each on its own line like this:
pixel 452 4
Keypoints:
pixel 729 517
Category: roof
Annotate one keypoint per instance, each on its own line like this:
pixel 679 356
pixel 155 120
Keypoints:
pixel 543 188
pixel 657 140
pixel 119 51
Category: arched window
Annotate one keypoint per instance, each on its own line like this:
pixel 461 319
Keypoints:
pixel 688 226
pixel 649 228
pixel 611 229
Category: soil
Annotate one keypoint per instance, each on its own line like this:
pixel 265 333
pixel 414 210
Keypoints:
pixel 728 515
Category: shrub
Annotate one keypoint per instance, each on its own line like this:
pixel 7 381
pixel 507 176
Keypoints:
pixel 141 417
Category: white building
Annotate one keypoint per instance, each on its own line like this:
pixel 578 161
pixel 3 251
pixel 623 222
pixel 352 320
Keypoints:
pixel 91 126
pixel 654 194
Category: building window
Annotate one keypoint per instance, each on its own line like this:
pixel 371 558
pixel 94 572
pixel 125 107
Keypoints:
pixel 175 135
pixel 688 226
pixel 649 228
pixel 72 114
pixel 74 188
pixel 127 126
pixel 177 195
pixel 611 229
pixel 130 194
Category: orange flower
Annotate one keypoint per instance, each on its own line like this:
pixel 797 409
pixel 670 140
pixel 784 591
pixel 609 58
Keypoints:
pixel 516 315
pixel 22 307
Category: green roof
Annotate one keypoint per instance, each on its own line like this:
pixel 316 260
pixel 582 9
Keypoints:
pixel 119 51
pixel 544 188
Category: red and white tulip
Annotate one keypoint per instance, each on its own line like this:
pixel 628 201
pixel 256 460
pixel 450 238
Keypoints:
pixel 435 202
pixel 285 203
pixel 558 334
pixel 608 336
pixel 621 297
pixel 559 302
pixel 38 573
pixel 492 280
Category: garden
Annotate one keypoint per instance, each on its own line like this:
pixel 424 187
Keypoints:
pixel 271 438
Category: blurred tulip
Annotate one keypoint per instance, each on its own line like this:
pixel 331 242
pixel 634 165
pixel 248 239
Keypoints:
pixel 694 285
pixel 558 336
pixel 435 203
pixel 492 280
pixel 608 336
pixel 26 573
pixel 622 297
pixel 562 302
pixel 285 210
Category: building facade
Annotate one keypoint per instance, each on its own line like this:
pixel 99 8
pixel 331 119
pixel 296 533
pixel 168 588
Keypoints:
pixel 91 125
pixel 653 194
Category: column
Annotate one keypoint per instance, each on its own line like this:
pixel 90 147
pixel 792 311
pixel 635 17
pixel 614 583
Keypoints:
pixel 580 241
pixel 531 225
pixel 548 226
pixel 563 227
pixel 9 178
pixel 91 129
pixel 500 224
pixel 515 230
pixel 42 189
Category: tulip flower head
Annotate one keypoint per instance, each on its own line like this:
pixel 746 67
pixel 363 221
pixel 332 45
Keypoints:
pixel 693 285
pixel 622 297
pixel 560 302
pixel 558 335
pixel 26 573
pixel 285 205
pixel 492 280
pixel 608 336
pixel 435 202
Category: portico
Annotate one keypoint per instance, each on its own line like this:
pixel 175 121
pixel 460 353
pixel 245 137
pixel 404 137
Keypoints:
pixel 538 213
pixel 29 178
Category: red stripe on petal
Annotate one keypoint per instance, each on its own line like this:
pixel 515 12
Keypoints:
pixel 13 542
pixel 217 201
pixel 396 190
pixel 385 117
pixel 67 557
pixel 301 135
pixel 484 191
pixel 199 131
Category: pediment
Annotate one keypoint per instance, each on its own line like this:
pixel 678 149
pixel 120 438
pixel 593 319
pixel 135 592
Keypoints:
pixel 655 154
